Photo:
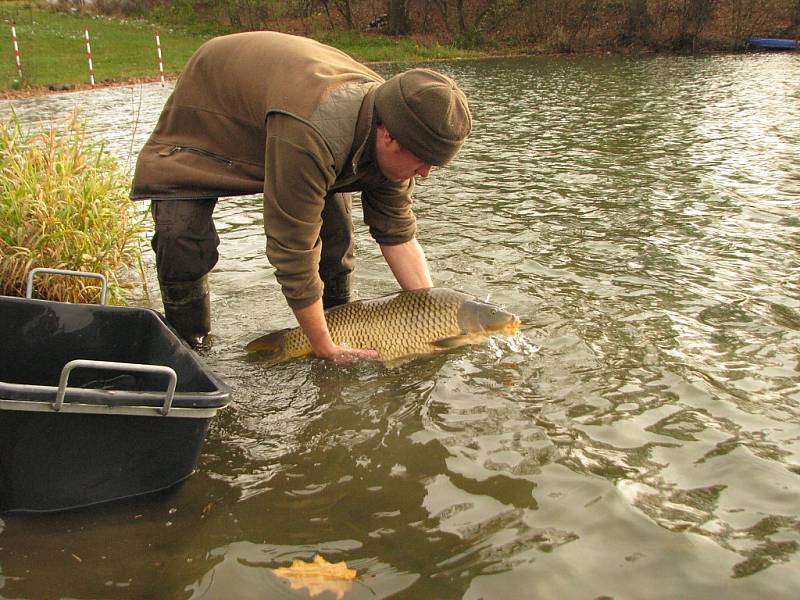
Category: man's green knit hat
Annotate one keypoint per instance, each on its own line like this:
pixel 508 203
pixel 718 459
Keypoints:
pixel 426 112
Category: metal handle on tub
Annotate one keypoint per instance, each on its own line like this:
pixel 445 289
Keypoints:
pixel 101 277
pixel 117 366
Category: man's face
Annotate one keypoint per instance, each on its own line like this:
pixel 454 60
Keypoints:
pixel 395 162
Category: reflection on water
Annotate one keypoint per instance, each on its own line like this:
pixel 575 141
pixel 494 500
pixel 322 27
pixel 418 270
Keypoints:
pixel 639 438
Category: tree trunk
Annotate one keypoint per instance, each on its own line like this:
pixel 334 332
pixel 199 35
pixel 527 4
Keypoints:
pixel 346 10
pixel 397 23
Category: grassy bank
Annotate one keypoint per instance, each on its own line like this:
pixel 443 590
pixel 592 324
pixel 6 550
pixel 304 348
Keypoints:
pixel 377 48
pixel 53 51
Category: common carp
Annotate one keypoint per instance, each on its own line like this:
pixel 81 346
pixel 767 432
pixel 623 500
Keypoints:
pixel 399 326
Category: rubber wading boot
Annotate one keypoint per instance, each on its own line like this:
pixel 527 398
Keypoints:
pixel 336 291
pixel 187 307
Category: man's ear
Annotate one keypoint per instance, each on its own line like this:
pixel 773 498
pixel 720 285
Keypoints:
pixel 383 135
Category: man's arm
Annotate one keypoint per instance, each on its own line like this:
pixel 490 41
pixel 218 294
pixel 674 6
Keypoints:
pixel 408 264
pixel 312 319
pixel 392 223
pixel 297 177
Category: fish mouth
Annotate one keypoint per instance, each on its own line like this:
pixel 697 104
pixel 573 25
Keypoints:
pixel 510 327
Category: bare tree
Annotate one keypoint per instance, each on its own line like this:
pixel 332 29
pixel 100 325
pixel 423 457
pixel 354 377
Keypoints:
pixel 695 14
pixel 246 14
pixel 343 7
pixel 796 18
pixel 468 20
pixel 397 13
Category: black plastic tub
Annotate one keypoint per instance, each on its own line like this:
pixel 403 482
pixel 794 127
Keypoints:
pixel 97 403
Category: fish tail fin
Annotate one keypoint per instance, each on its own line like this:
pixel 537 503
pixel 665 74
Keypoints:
pixel 270 347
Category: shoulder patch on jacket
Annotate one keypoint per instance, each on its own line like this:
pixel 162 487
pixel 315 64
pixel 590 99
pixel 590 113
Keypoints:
pixel 336 119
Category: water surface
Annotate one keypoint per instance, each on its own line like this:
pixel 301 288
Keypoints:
pixel 639 439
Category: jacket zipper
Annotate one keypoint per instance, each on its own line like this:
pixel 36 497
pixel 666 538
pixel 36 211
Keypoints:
pixel 198 151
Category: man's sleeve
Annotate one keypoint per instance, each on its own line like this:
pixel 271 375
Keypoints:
pixel 388 212
pixel 298 172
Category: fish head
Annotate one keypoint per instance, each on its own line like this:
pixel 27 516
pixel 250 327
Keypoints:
pixel 475 316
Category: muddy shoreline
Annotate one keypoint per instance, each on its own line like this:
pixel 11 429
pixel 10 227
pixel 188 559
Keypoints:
pixel 79 87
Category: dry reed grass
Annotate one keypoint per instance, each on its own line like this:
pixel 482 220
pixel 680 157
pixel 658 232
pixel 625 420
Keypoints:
pixel 64 204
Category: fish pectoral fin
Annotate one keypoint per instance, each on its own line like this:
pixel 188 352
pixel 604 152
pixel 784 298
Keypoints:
pixel 394 363
pixel 456 341
pixel 262 344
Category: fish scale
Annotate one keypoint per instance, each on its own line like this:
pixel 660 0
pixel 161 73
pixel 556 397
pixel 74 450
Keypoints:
pixel 363 325
pixel 404 324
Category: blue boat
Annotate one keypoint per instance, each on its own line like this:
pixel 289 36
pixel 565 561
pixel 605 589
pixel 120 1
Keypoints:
pixel 772 43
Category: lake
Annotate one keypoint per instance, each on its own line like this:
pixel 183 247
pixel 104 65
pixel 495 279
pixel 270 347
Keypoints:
pixel 640 438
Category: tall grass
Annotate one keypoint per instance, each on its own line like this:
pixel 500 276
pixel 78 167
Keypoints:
pixel 64 204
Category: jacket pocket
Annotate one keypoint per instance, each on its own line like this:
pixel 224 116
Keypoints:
pixel 199 152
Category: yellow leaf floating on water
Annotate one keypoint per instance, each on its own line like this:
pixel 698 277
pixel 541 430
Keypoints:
pixel 319 567
pixel 319 576
pixel 316 586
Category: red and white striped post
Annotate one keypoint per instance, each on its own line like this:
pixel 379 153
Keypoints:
pixel 16 48
pixel 89 56
pixel 160 61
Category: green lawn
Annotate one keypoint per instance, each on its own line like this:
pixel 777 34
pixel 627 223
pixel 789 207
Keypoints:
pixel 53 50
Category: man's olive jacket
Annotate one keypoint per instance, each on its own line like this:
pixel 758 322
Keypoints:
pixel 286 116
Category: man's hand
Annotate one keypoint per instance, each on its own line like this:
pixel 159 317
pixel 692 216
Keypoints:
pixel 345 356
pixel 312 319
